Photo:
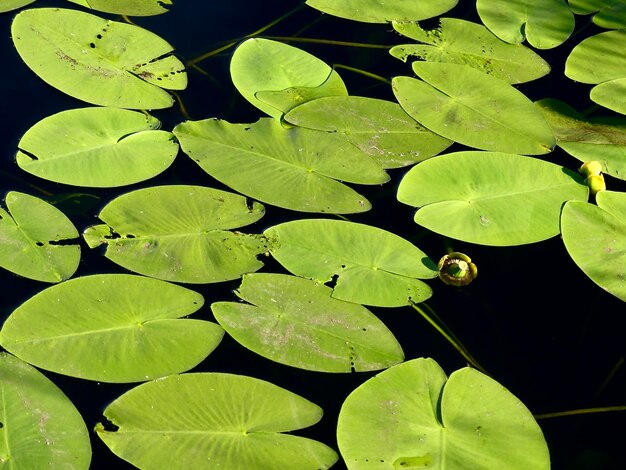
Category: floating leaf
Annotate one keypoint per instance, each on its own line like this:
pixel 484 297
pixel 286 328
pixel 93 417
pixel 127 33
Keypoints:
pixel 611 14
pixel 594 238
pixel 127 7
pixel 381 11
pixel 611 94
pixel 276 77
pixel 473 108
pixel 369 265
pixel 295 321
pixel 9 5
pixel 180 233
pixel 213 420
pixel 490 198
pixel 96 147
pixel 39 426
pixel 35 239
pixel 462 42
pixel 598 58
pixel 544 24
pixel 412 416
pixel 97 60
pixel 601 139
pixel 380 128
pixel 293 168
pixel 111 328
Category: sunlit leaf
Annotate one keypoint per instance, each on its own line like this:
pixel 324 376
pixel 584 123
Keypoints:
pixel 9 5
pixel 490 198
pixel 544 24
pixel 98 147
pixel 594 237
pixel 611 94
pixel 381 11
pixel 598 58
pixel 295 321
pixel 473 108
pixel 457 41
pixel 213 420
pixel 293 168
pixel 97 60
pixel 611 14
pixel 39 426
pixel 180 233
pixel 276 77
pixel 35 239
pixel 413 416
pixel 601 139
pixel 127 7
pixel 380 128
pixel 369 265
pixel 111 328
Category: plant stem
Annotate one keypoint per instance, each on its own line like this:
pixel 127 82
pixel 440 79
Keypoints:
pixel 582 411
pixel 363 72
pixel 331 42
pixel 440 326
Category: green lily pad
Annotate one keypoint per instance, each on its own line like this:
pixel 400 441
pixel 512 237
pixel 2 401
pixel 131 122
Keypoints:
pixel 413 416
pixel 380 128
pixel 611 14
pixel 127 7
pixel 9 5
pixel 97 60
pixel 180 233
pixel 381 11
pixel 276 77
pixel 611 94
pixel 213 420
pixel 369 265
pixel 473 108
pixel 544 24
pixel 594 238
pixel 293 168
pixel 111 328
pixel 295 321
pixel 462 42
pixel 39 426
pixel 35 239
pixel 601 139
pixel 96 147
pixel 598 59
pixel 490 198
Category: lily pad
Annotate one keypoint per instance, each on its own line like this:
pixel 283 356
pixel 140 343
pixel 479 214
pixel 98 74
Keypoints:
pixel 490 198
pixel 111 328
pixel 96 147
pixel 473 108
pixel 600 139
pixel 544 24
pixel 295 321
pixel 598 59
pixel 609 14
pixel 293 168
pixel 462 42
pixel 97 60
pixel 213 420
pixel 368 265
pixel 380 128
pixel 611 94
pixel 10 5
pixel 594 238
pixel 127 7
pixel 35 239
pixel 180 233
pixel 276 77
pixel 381 11
pixel 413 416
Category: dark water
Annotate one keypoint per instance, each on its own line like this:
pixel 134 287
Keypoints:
pixel 532 319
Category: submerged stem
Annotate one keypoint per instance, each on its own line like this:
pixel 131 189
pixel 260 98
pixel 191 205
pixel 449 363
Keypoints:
pixel 582 411
pixel 363 72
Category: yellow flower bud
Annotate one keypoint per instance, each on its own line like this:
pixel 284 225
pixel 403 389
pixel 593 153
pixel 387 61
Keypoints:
pixel 596 183
pixel 457 269
pixel 590 168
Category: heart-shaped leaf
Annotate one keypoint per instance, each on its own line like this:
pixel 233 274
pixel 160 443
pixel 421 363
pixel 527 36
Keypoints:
pixel 35 239
pixel 214 421
pixel 295 321
pixel 97 147
pixel 39 425
pixel 381 11
pixel 97 60
pixel 611 14
pixel 412 416
pixel 111 328
pixel 369 265
pixel 180 233
pixel 599 58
